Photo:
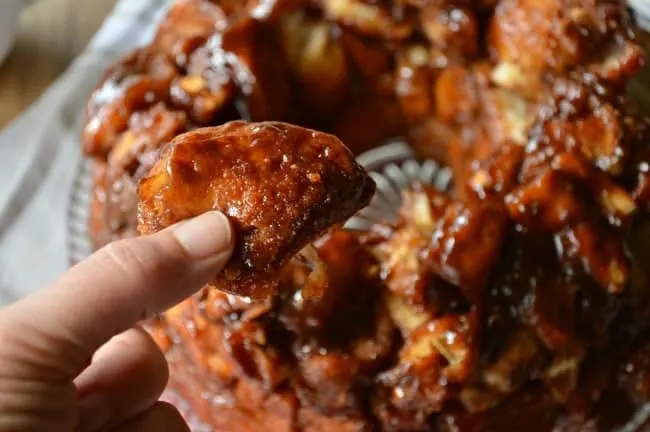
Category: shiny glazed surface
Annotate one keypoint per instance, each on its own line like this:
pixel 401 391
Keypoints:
pixel 518 302
pixel 282 187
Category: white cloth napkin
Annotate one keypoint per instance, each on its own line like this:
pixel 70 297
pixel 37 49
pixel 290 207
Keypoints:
pixel 643 9
pixel 39 153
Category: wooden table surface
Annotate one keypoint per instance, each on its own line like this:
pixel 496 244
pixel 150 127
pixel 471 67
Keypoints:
pixel 52 33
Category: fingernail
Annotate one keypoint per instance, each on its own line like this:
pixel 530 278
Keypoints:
pixel 205 236
pixel 94 413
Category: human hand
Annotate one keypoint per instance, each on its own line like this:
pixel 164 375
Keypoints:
pixel 71 356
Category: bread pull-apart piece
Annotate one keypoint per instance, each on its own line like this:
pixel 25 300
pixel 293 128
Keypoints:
pixel 282 187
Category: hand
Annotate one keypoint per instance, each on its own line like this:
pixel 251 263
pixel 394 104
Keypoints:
pixel 71 356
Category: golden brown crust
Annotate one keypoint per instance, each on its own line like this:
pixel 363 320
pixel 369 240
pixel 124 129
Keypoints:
pixel 282 187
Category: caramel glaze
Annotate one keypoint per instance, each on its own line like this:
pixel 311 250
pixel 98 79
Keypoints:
pixel 517 303
pixel 282 186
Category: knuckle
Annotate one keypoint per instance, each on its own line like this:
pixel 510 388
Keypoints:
pixel 135 259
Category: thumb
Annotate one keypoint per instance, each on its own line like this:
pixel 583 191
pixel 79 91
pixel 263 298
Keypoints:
pixel 60 327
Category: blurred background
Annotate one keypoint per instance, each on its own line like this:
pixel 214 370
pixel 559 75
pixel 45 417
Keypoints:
pixel 51 34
